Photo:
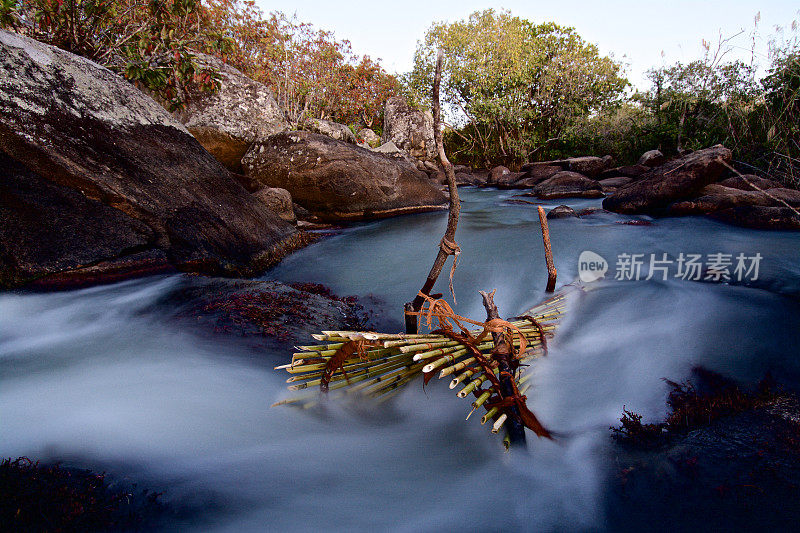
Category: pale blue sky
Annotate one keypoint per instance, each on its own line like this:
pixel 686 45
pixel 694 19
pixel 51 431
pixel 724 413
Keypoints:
pixel 637 30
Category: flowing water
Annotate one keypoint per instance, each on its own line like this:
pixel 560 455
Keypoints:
pixel 103 378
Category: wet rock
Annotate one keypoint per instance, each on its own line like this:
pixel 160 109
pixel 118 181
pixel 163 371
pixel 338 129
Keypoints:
pixel 409 128
pixel 334 130
pixel 716 197
pixel 731 467
pixel 678 179
pixel 226 122
pixel 562 211
pixel 652 158
pixel 339 181
pixel 112 165
pixel 568 185
pixel 264 311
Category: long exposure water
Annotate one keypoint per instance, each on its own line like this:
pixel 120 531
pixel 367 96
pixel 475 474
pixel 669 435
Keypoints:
pixel 102 378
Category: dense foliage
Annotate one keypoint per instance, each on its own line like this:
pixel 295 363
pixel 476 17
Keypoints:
pixel 513 91
pixel 156 42
pixel 706 102
pixel 512 86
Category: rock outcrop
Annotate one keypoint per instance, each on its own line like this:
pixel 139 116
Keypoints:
pixel 409 128
pixel 716 197
pixel 95 172
pixel 678 179
pixel 339 181
pixel 226 122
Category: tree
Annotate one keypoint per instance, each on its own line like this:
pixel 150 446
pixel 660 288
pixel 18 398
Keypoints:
pixel 513 86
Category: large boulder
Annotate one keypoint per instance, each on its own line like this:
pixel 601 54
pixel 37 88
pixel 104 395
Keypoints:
pixel 678 179
pixel 409 128
pixel 536 174
pixel 589 165
pixel 568 185
pixel 339 181
pixel 94 171
pixel 334 130
pixel 229 120
pixel 716 197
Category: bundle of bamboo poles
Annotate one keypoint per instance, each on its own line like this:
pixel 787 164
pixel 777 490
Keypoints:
pixel 378 365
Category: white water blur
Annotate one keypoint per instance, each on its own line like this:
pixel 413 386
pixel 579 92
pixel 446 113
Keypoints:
pixel 104 378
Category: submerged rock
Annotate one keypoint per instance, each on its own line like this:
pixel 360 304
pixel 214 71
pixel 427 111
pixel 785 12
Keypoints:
pixel 95 172
pixel 339 181
pixel 227 121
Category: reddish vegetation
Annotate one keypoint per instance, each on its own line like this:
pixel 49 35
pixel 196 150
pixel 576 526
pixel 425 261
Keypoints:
pixel 51 498
pixel 693 404
pixel 266 310
pixel 274 313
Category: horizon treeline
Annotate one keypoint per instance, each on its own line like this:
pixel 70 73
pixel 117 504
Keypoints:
pixel 514 91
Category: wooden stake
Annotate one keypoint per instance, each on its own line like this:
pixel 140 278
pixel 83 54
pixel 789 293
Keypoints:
pixel 548 252
pixel 455 203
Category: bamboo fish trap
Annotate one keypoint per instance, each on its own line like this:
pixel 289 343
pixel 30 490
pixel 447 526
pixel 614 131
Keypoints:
pixel 353 364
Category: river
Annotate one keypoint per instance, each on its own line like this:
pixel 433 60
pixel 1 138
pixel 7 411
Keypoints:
pixel 103 378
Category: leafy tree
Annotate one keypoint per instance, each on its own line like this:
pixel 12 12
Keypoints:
pixel 513 86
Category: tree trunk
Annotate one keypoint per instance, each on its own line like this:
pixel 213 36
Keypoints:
pixel 455 202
